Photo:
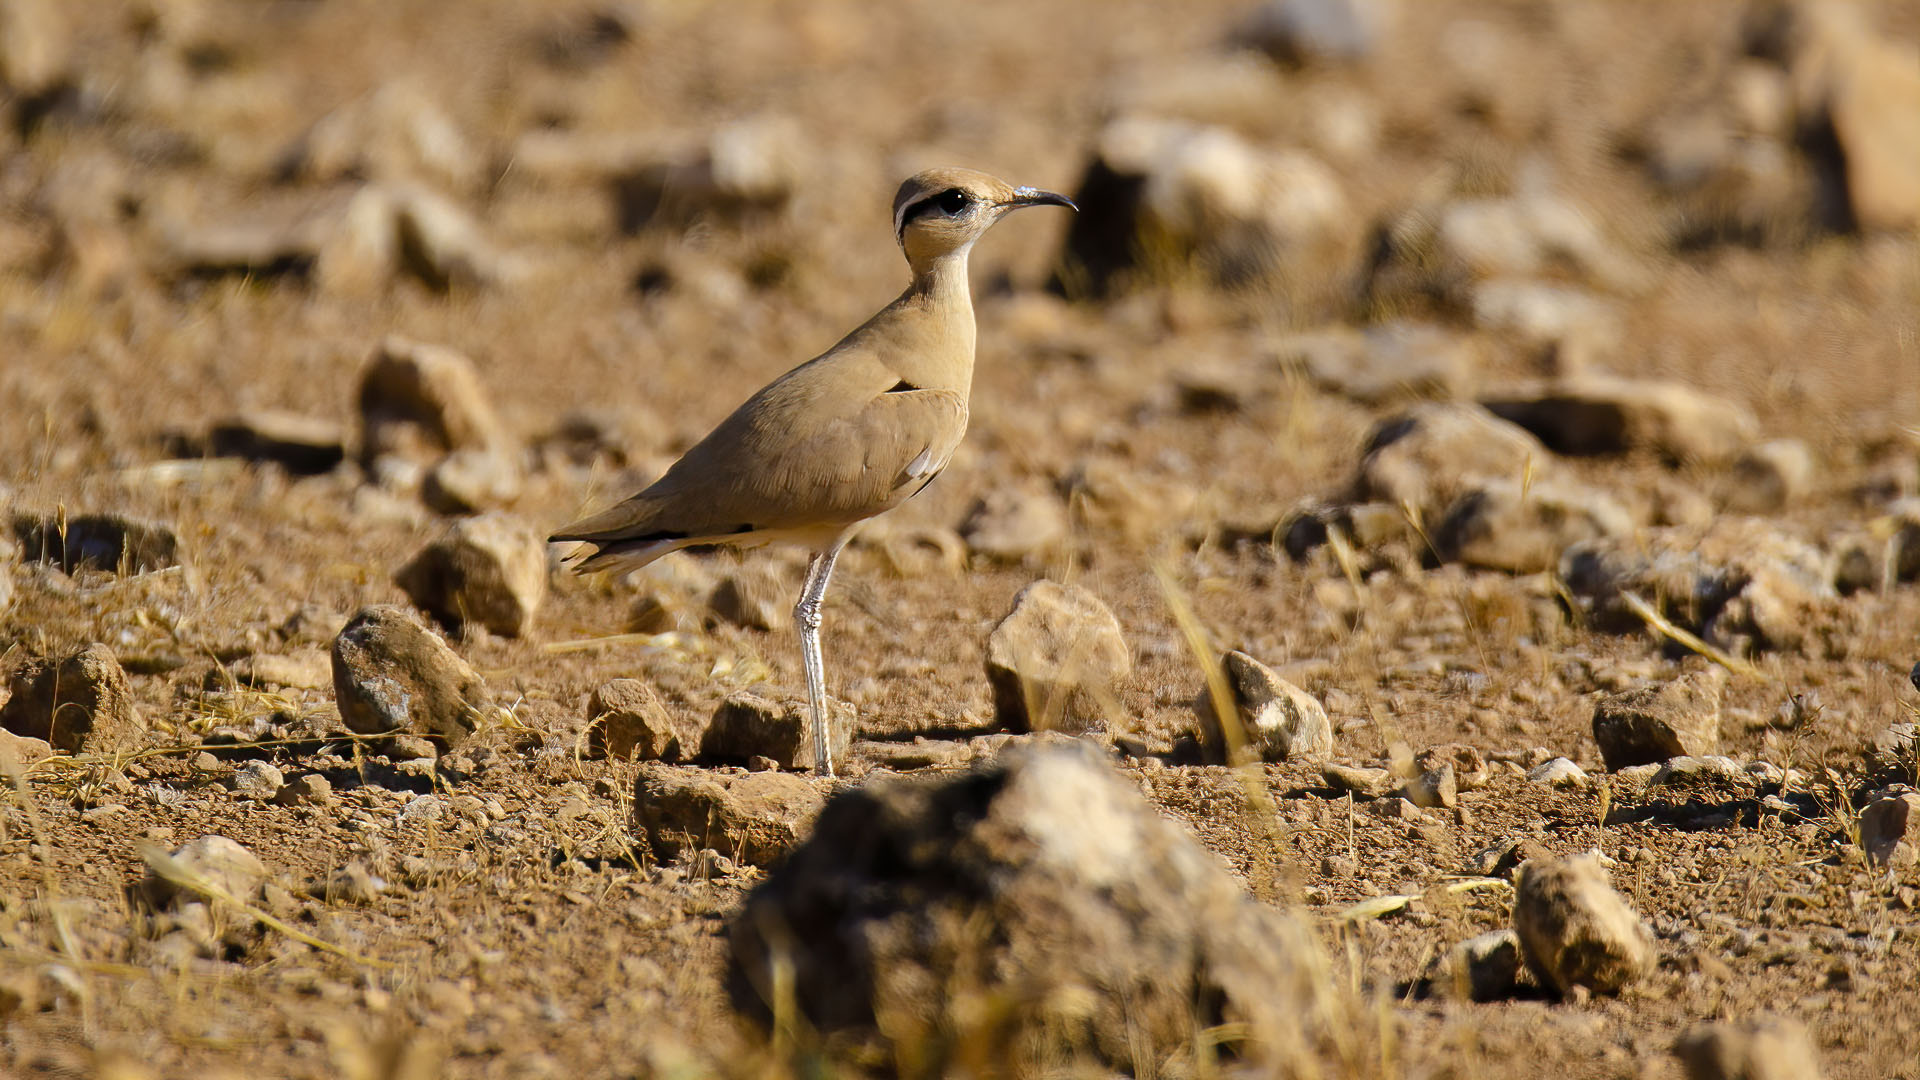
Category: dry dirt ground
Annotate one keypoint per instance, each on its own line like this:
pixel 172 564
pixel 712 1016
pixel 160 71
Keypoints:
pixel 530 931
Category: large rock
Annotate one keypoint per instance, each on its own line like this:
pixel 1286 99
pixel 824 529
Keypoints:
pixel 1862 86
pixel 1010 524
pixel 1523 528
pixel 1769 1048
pixel 1055 660
pixel 756 597
pixel 1276 719
pixel 65 701
pixel 303 445
pixel 490 571
pixel 396 134
pixel 753 818
pixel 747 726
pixel 743 171
pixel 1294 32
pixel 107 542
pixel 1159 196
pixel 1767 478
pixel 1890 830
pixel 1043 884
pixel 420 401
pixel 625 719
pixel 1732 580
pixel 470 480
pixel 1387 362
pixel 1604 414
pixel 393 675
pixel 1430 455
pixel 1653 723
pixel 1575 930
pixel 211 860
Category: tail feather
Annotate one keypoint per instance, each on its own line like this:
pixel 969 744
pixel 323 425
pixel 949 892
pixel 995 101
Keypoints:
pixel 618 556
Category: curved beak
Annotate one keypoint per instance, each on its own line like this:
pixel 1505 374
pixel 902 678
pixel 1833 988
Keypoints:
pixel 1027 196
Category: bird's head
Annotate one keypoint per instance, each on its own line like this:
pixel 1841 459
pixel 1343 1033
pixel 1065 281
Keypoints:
pixel 943 211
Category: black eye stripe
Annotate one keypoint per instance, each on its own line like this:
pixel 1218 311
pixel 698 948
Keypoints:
pixel 950 201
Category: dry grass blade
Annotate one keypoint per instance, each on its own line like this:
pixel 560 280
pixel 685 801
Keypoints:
pixel 165 865
pixel 1665 626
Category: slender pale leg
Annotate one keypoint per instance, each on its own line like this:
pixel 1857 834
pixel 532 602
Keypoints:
pixel 806 614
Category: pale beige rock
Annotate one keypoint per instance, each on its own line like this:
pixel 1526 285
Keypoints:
pixel 419 400
pixel 753 818
pixel 747 726
pixel 1649 725
pixel 1768 478
pixel 1575 930
pixel 1767 1048
pixel 216 860
pixel 627 721
pixel 1055 660
pixel 71 700
pixel 1277 720
pixel 1524 528
pixel 490 571
pixel 1605 414
pixel 754 596
pixel 392 675
pixel 308 669
pixel 1430 455
pixel 1890 830
pixel 1011 524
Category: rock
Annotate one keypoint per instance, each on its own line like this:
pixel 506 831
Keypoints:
pixel 1434 789
pixel 747 725
pixel 1011 524
pixel 1603 414
pixel 1862 86
pixel 1649 725
pixel 1575 930
pixel 1041 880
pixel 106 542
pixel 302 445
pixel 1735 580
pixel 211 860
pixel 66 701
pixel 1201 197
pixel 1367 526
pixel 469 481
pixel 35 39
pixel 404 748
pixel 1767 478
pixel 1566 330
pixel 1125 503
pixel 753 818
pixel 1386 362
pixel 743 171
pixel 626 720
pixel 1768 1048
pixel 921 753
pixel 754 596
pixel 310 789
pixel 441 244
pixel 1055 661
pixel 308 669
pixel 1277 720
pixel 1430 455
pixel 1469 767
pixel 1711 770
pixel 391 674
pixel 1559 773
pixel 1505 858
pixel 397 133
pixel 21 750
pixel 258 780
pixel 1890 830
pixel 1296 32
pixel 1523 528
pixel 490 571
pixel 420 401
pixel 1359 781
pixel 1487 967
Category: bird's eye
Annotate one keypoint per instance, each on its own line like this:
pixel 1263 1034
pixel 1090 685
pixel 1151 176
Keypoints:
pixel 952 200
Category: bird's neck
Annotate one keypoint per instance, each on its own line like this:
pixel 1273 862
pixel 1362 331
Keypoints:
pixel 940 291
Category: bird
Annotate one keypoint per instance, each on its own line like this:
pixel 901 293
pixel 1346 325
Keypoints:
pixel 843 437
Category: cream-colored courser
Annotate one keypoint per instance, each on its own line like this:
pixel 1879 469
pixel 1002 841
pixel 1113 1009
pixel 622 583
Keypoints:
pixel 852 433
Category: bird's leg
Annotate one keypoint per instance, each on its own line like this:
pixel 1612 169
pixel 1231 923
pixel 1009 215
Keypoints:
pixel 806 615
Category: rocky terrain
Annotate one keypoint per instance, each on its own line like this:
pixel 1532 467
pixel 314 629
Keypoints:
pixel 1430 590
